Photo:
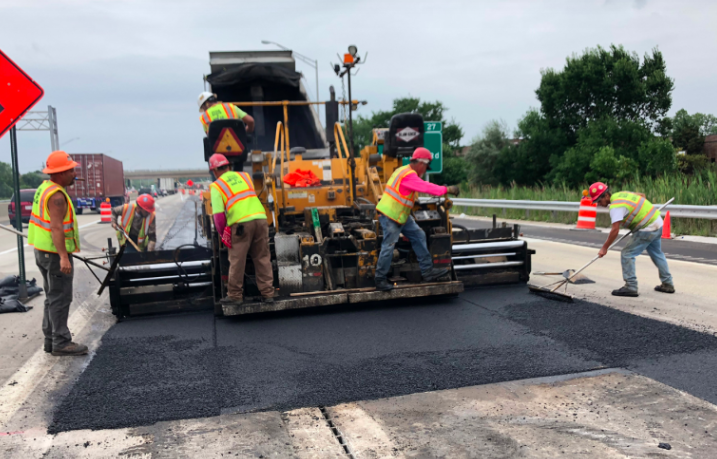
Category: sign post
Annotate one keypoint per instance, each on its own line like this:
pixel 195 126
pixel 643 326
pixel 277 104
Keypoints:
pixel 20 93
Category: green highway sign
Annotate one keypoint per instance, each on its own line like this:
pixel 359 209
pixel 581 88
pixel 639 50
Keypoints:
pixel 433 142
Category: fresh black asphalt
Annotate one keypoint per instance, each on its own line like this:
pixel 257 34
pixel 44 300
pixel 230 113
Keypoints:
pixel 675 249
pixel 186 366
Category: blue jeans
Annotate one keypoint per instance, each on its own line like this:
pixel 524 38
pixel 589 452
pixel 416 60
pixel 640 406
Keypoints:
pixel 391 232
pixel 652 242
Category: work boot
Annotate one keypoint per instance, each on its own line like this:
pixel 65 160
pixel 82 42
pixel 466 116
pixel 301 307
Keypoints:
pixel 48 345
pixel 435 274
pixel 665 288
pixel 70 348
pixel 625 291
pixel 382 285
pixel 230 300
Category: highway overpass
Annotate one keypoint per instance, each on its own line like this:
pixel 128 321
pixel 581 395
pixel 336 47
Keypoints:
pixel 166 173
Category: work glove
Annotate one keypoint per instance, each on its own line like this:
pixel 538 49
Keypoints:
pixel 453 189
pixel 227 236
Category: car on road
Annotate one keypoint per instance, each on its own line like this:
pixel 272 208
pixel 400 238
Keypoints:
pixel 26 197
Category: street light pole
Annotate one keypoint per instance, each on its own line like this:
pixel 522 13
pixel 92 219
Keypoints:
pixel 307 60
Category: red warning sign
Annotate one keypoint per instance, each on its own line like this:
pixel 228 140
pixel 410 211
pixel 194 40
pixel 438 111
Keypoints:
pixel 18 93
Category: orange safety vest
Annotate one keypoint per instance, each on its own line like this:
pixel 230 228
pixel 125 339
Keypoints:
pixel 241 203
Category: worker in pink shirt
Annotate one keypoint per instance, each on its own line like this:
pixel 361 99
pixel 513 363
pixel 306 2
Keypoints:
pixel 395 218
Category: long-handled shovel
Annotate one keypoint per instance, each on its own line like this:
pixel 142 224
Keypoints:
pixel 126 236
pixel 552 294
pixel 86 261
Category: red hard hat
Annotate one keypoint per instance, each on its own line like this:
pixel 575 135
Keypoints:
pixel 217 160
pixel 57 162
pixel 596 190
pixel 422 153
pixel 146 202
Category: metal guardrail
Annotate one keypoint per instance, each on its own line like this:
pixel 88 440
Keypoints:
pixel 676 210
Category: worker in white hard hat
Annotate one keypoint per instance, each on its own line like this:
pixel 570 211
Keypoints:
pixel 213 109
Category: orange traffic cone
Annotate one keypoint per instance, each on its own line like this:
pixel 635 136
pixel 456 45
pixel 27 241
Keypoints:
pixel 587 213
pixel 666 230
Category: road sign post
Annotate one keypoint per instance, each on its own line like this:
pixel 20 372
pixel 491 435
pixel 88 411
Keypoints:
pixel 20 93
pixel 22 293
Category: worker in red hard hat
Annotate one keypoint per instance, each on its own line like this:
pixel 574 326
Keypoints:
pixel 394 210
pixel 138 221
pixel 212 110
pixel 632 211
pixel 240 220
pixel 54 234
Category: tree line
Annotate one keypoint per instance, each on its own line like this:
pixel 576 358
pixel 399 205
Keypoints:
pixel 602 117
pixel 29 180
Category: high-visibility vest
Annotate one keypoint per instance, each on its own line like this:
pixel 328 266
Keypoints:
pixel 128 211
pixel 39 233
pixel 393 204
pixel 240 201
pixel 219 112
pixel 641 212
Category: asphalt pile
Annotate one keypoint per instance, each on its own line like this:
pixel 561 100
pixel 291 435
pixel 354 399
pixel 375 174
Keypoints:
pixel 183 366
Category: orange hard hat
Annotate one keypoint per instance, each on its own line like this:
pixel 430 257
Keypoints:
pixel 59 161
pixel 146 202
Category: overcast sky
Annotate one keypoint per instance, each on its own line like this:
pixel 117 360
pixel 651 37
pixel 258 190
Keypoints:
pixel 124 76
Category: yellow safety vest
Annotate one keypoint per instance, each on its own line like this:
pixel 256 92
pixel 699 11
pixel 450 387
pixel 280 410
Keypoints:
pixel 128 211
pixel 240 201
pixel 39 233
pixel 641 212
pixel 220 112
pixel 393 204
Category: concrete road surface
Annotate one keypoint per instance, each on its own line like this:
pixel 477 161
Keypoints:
pixel 496 372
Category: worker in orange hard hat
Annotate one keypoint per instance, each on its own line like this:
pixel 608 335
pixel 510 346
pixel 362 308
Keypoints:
pixel 54 234
pixel 142 229
pixel 394 210
pixel 240 220
pixel 213 110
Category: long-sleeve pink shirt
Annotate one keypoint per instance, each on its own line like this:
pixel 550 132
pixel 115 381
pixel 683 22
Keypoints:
pixel 413 182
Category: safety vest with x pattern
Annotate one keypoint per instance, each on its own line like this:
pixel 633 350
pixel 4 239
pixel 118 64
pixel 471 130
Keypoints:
pixel 393 204
pixel 220 112
pixel 128 212
pixel 641 212
pixel 39 233
pixel 240 201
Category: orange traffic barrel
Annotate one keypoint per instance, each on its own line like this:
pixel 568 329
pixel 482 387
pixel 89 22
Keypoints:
pixel 105 212
pixel 587 213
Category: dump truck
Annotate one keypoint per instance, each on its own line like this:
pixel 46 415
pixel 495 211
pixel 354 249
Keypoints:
pixel 324 239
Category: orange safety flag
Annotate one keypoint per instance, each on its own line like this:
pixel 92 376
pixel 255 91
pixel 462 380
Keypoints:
pixel 301 179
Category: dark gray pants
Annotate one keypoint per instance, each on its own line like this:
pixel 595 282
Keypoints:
pixel 58 296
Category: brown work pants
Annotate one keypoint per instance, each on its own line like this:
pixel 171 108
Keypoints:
pixel 254 242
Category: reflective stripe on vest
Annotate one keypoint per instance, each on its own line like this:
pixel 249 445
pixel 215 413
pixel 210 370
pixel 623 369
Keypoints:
pixel 217 112
pixel 393 204
pixel 641 212
pixel 241 203
pixel 128 212
pixel 40 229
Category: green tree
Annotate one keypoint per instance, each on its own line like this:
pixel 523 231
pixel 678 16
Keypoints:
pixel 689 131
pixel 6 184
pixel 31 179
pixel 455 169
pixel 606 83
pixel 485 150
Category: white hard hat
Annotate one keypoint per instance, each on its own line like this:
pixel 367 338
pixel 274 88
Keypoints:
pixel 203 97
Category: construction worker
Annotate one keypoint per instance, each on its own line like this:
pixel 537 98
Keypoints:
pixel 212 110
pixel 631 210
pixel 54 234
pixel 395 217
pixel 142 230
pixel 240 219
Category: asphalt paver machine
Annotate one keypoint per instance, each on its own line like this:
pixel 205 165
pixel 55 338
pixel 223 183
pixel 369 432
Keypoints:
pixel 325 239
